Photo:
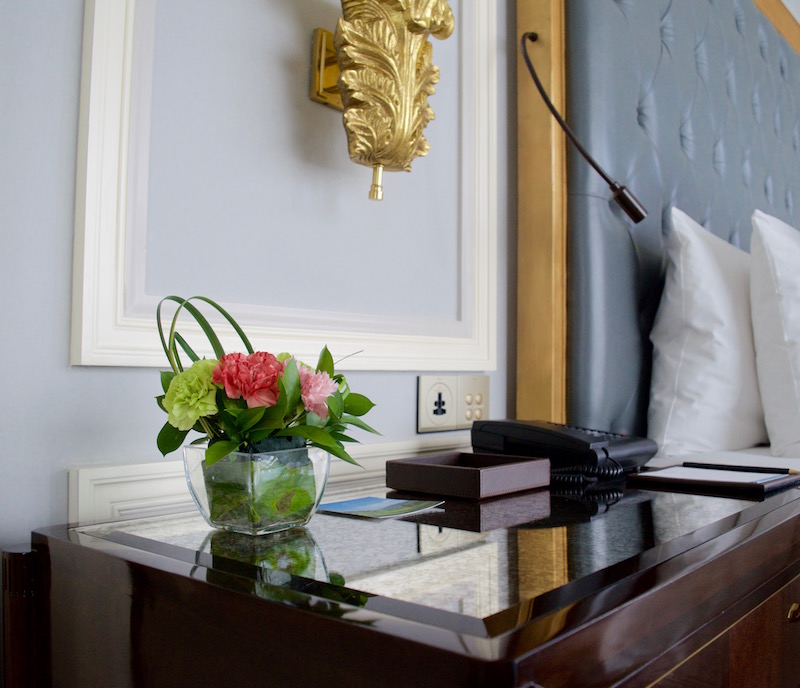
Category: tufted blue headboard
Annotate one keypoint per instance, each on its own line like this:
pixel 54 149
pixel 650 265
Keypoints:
pixel 694 103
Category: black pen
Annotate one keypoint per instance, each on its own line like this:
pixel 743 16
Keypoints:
pixel 745 469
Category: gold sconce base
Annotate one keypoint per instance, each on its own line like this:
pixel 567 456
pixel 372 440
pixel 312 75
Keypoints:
pixel 376 190
pixel 324 71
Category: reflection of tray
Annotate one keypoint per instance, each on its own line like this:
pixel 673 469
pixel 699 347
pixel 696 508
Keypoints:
pixel 488 514
pixel 469 476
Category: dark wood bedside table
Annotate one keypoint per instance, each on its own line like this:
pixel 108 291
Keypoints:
pixel 663 588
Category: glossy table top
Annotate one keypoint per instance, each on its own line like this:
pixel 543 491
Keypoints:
pixel 479 569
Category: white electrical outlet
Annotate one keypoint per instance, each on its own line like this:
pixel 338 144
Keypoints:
pixel 473 400
pixel 436 403
pixel 451 402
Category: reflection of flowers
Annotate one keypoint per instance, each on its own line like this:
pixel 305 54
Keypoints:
pixel 289 568
pixel 292 551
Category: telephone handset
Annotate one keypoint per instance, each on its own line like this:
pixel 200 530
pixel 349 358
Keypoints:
pixel 593 453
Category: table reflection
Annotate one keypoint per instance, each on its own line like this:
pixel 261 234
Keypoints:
pixel 503 553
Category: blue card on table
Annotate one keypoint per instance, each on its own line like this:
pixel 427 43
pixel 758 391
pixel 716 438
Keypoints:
pixel 378 507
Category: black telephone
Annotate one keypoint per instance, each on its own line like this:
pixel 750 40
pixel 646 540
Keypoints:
pixel 571 450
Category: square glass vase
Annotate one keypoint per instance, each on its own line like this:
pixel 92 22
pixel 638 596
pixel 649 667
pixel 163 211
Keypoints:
pixel 257 493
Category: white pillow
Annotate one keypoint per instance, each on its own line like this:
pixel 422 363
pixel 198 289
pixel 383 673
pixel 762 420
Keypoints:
pixel 775 302
pixel 704 390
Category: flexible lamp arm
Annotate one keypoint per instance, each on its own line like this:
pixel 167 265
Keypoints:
pixel 626 200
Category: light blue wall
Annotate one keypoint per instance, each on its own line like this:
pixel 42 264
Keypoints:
pixel 273 177
pixel 54 415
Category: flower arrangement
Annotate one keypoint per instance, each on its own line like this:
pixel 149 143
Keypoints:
pixel 244 402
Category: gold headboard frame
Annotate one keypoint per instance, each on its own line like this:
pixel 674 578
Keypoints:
pixel 542 224
pixel 782 19
pixel 542 219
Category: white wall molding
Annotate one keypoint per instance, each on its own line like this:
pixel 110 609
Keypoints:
pixel 113 321
pixel 99 493
pixel 122 491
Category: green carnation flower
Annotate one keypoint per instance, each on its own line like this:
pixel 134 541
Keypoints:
pixel 191 395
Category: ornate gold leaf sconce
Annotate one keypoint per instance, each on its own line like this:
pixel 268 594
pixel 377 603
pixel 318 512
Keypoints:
pixel 385 76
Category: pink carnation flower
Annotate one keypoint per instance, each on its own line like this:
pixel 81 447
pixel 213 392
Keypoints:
pixel 252 377
pixel 315 388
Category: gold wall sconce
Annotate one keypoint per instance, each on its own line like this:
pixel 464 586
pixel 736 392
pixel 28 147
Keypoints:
pixel 378 69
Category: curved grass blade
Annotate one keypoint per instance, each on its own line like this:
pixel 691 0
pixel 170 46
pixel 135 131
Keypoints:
pixel 168 344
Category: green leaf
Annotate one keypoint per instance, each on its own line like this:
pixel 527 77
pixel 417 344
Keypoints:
pixel 220 398
pixel 318 436
pixel 325 363
pixel 340 452
pixel 170 438
pixel 235 406
pixel 219 450
pixel 289 385
pixel 272 419
pixel 230 320
pixel 248 418
pixel 208 331
pixel 166 378
pixel 352 420
pixel 160 402
pixel 228 422
pixel 340 437
pixel 314 420
pixel 255 436
pixel 169 344
pixel 335 406
pixel 185 346
pixel 357 404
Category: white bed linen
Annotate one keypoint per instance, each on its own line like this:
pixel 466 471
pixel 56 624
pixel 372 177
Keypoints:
pixel 775 305
pixel 704 390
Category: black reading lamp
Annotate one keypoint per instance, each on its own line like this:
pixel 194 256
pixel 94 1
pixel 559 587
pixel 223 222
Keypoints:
pixel 626 200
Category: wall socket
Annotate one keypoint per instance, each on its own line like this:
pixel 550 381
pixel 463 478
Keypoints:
pixel 451 402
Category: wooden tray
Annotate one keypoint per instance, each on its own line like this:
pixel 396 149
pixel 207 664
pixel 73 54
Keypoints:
pixel 466 475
